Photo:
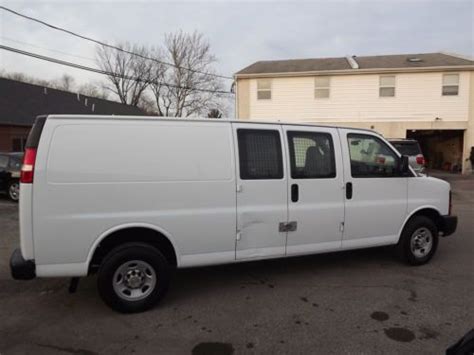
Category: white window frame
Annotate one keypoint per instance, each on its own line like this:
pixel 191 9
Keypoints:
pixel 270 81
pixel 322 88
pixel 443 85
pixel 394 86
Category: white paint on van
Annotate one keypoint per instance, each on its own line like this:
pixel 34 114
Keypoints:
pixel 95 175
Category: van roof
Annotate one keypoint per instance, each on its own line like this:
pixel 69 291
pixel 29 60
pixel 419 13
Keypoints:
pixel 198 119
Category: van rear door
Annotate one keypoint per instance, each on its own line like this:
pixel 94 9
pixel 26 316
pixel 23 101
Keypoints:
pixel 262 201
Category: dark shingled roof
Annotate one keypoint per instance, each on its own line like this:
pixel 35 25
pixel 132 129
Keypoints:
pixel 20 103
pixel 370 62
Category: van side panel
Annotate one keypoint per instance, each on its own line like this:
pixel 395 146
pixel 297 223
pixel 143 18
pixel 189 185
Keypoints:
pixel 428 192
pixel 97 175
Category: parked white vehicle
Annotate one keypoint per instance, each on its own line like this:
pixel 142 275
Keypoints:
pixel 134 197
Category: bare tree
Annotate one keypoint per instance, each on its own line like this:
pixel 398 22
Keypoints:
pixel 129 74
pixel 66 82
pixel 147 105
pixel 175 88
pixel 93 90
pixel 214 113
pixel 24 78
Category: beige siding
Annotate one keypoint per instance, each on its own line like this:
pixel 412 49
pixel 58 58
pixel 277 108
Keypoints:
pixel 469 133
pixel 243 99
pixel 356 98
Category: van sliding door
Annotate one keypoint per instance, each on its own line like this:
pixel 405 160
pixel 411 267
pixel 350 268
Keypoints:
pixel 262 200
pixel 315 187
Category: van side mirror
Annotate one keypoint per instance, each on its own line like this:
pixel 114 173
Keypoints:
pixel 404 165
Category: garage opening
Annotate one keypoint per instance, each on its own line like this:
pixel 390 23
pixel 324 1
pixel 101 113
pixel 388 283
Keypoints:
pixel 442 148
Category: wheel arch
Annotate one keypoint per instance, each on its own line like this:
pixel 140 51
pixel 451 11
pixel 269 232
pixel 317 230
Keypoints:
pixel 132 232
pixel 427 211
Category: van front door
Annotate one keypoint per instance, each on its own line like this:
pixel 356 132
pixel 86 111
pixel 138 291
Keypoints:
pixel 315 186
pixel 262 201
pixel 376 191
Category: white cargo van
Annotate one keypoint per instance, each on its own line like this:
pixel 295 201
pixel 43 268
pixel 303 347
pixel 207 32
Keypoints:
pixel 132 198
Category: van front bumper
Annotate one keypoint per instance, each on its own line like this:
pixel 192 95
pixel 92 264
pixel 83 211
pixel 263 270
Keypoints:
pixel 448 225
pixel 20 268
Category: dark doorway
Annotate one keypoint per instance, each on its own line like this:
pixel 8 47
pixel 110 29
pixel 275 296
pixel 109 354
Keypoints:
pixel 442 149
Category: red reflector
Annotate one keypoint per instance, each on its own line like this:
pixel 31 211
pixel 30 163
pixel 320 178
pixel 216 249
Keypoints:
pixel 420 160
pixel 28 167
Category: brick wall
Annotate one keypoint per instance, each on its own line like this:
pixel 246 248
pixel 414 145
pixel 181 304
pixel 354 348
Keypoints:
pixel 9 133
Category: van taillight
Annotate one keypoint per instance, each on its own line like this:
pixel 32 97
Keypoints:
pixel 420 159
pixel 28 167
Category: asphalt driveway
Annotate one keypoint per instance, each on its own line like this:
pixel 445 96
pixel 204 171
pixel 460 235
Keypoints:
pixel 351 302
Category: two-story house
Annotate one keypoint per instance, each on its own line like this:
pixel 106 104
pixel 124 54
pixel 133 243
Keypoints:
pixel 429 97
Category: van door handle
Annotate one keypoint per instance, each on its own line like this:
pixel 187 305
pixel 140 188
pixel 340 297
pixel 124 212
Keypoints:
pixel 349 190
pixel 294 193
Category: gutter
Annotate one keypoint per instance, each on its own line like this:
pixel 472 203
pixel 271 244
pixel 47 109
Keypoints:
pixel 358 71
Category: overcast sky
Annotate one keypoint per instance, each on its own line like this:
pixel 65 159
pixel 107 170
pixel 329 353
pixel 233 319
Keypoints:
pixel 240 33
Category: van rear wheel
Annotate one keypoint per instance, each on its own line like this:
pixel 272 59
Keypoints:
pixel 419 240
pixel 133 277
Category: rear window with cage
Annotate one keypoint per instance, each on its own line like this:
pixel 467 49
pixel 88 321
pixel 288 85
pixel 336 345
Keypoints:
pixel 311 155
pixel 260 154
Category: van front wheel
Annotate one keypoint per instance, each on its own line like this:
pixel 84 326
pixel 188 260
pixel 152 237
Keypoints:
pixel 133 277
pixel 419 240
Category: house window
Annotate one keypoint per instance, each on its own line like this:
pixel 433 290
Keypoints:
pixel 387 86
pixel 264 89
pixel 450 84
pixel 322 87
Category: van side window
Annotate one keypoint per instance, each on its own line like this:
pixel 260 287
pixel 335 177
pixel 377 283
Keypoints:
pixel 371 157
pixel 311 155
pixel 260 154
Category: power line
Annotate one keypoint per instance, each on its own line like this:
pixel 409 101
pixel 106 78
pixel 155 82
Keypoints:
pixel 104 72
pixel 109 45
pixel 46 49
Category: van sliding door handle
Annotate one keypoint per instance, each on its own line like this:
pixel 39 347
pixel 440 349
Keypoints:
pixel 294 193
pixel 349 190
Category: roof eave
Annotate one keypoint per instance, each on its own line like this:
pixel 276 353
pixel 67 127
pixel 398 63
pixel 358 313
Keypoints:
pixel 356 71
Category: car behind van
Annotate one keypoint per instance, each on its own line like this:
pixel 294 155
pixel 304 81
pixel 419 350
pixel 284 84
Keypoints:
pixel 411 148
pixel 132 198
pixel 10 164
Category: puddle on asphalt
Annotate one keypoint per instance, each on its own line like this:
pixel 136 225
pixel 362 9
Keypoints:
pixel 400 334
pixel 380 316
pixel 213 349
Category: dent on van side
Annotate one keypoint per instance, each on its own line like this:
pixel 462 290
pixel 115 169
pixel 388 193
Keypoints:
pixel 132 198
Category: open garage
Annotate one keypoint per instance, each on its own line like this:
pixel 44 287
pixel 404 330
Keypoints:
pixel 442 149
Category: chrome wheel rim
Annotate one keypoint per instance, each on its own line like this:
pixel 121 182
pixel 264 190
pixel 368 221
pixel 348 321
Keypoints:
pixel 134 280
pixel 421 242
pixel 14 191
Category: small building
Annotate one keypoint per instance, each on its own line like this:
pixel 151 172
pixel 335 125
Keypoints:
pixel 20 103
pixel 429 97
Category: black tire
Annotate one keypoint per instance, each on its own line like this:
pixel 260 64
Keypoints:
pixel 14 190
pixel 404 246
pixel 116 259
